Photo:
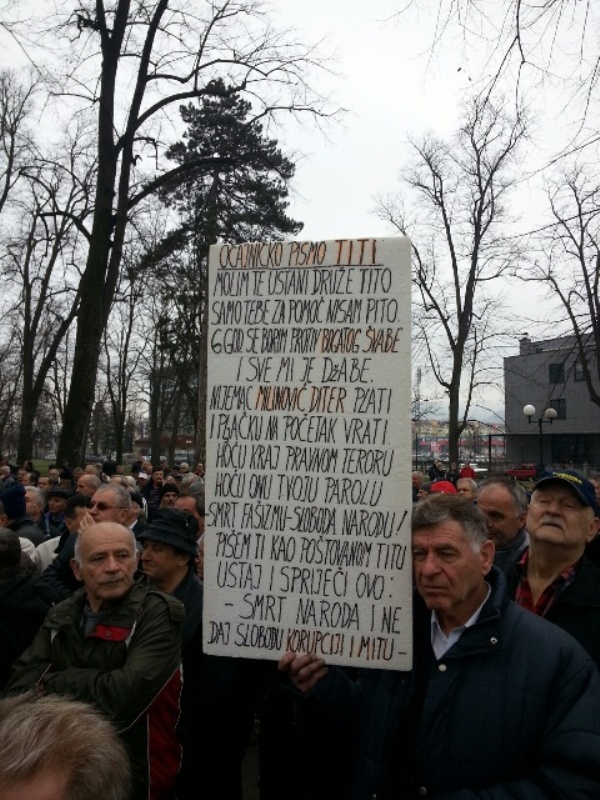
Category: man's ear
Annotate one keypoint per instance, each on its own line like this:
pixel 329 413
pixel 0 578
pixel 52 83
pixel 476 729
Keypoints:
pixel 488 551
pixel 75 568
pixel 593 531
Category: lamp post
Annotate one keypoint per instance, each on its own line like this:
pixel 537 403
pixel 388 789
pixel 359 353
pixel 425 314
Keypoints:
pixel 548 416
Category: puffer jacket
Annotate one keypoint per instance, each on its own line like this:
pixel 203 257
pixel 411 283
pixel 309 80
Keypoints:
pixel 510 712
pixel 129 668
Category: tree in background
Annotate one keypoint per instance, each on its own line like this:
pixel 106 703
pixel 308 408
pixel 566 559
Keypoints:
pixel 126 65
pixel 120 359
pixel 16 143
pixel 458 231
pixel 243 198
pixel 568 265
pixel 552 40
pixel 40 256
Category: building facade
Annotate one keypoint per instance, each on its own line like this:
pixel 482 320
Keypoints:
pixel 549 374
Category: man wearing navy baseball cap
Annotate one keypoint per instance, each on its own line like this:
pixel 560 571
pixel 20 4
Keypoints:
pixel 554 579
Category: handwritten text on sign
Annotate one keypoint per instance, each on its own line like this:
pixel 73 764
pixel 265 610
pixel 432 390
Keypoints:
pixel 308 451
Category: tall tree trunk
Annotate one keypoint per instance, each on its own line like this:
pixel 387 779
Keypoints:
pixel 96 295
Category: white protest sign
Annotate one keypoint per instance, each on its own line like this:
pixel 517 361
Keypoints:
pixel 308 461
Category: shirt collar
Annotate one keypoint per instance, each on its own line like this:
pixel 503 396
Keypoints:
pixel 435 625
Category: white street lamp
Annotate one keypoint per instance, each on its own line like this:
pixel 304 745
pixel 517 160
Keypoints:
pixel 549 415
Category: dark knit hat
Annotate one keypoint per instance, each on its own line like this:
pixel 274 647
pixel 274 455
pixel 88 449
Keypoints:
pixel 174 527
pixel 59 491
pixel 13 500
pixel 168 487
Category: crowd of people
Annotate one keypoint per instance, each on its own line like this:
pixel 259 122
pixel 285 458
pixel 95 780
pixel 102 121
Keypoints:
pixel 101 599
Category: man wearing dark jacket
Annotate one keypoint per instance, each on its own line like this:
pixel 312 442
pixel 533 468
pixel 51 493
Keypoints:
pixel 23 604
pixel 500 705
pixel 504 503
pixel 14 517
pixel 115 644
pixel 220 695
pixel 553 578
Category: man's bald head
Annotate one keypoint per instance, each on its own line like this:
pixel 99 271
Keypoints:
pixel 105 559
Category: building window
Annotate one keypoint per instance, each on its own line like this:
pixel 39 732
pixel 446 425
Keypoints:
pixel 560 406
pixel 578 371
pixel 557 373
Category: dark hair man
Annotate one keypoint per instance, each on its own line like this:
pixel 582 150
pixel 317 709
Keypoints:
pixel 220 695
pixel 554 578
pixel 504 503
pixel 193 504
pixel 416 480
pixel 23 604
pixel 45 553
pixel 57 502
pixel 44 484
pixel 59 749
pixel 116 644
pixel 14 516
pixel 110 503
pixel 151 491
pixel 499 703
pixel 168 494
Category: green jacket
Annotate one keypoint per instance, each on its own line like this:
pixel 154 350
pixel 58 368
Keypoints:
pixel 129 668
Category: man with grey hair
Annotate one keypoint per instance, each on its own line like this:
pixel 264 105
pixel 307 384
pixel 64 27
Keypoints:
pixel 94 469
pixel 116 644
pixel 499 703
pixel 417 480
pixel 504 503
pixel 35 504
pixel 554 578
pixel 467 488
pixel 59 749
pixel 88 484
pixel 6 478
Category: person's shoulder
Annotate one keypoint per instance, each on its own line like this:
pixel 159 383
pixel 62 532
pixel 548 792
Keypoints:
pixel 589 571
pixel 152 600
pixel 25 594
pixel 542 638
pixel 66 610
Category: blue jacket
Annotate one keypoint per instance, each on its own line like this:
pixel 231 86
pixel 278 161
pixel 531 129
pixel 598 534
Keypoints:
pixel 510 712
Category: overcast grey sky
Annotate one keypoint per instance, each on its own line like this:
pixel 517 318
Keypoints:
pixel 390 92
pixel 393 86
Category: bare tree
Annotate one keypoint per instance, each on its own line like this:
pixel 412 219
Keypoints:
pixel 121 356
pixel 553 38
pixel 135 62
pixel 568 265
pixel 40 258
pixel 10 382
pixel 460 249
pixel 16 145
